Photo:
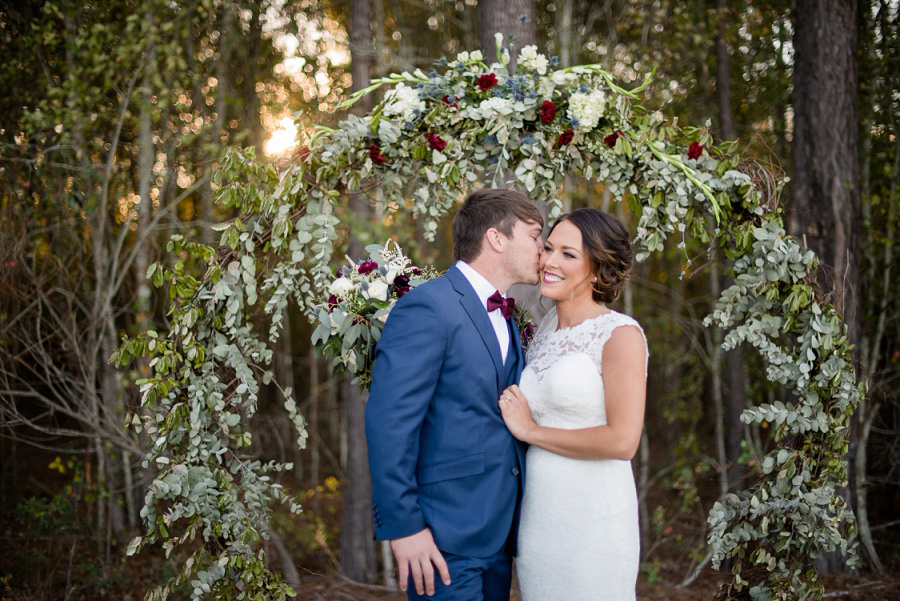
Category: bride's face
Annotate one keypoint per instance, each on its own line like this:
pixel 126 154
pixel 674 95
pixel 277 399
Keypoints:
pixel 565 269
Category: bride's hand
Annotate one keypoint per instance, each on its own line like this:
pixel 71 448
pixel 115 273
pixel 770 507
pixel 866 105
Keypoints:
pixel 516 413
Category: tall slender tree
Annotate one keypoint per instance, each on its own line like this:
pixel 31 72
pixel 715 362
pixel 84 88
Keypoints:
pixel 826 199
pixel 358 530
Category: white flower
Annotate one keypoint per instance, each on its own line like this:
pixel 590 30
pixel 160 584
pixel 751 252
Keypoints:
pixel 528 53
pixel 530 59
pixel 498 39
pixel 476 55
pixel 587 108
pixel 545 87
pixel 463 57
pixel 341 287
pixel 561 78
pixel 494 106
pixel 403 101
pixel 377 291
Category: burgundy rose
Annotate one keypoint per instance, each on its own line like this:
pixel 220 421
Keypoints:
pixel 436 142
pixel 610 140
pixel 401 285
pixel 695 151
pixel 416 271
pixel 367 267
pixel 333 302
pixel 486 82
pixel 548 112
pixel 375 155
pixel 565 137
pixel 446 100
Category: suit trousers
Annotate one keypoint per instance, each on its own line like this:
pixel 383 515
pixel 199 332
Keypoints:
pixel 471 579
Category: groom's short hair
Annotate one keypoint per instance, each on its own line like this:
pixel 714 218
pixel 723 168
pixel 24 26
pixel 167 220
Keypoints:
pixel 486 208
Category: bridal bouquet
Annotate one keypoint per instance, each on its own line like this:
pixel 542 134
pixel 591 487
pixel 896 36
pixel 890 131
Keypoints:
pixel 360 299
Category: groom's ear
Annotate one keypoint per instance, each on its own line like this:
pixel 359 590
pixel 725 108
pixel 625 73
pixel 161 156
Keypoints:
pixel 494 240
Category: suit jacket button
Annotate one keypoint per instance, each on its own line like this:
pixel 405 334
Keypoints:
pixel 515 471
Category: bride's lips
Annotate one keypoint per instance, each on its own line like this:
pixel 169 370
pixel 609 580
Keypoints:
pixel 553 278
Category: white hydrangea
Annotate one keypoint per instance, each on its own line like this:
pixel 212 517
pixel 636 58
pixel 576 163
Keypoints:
pixel 403 101
pixel 494 106
pixel 531 59
pixel 587 108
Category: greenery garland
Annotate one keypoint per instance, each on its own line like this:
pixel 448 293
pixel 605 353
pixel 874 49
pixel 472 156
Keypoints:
pixel 433 137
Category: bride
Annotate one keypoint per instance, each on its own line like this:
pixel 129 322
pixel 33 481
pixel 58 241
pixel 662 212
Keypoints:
pixel 580 407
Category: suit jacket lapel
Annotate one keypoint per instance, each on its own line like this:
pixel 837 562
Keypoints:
pixel 515 350
pixel 477 313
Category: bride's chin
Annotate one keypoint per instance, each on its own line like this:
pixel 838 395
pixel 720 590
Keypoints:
pixel 547 291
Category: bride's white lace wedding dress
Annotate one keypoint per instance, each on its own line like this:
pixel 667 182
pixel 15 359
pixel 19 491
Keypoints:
pixel 578 536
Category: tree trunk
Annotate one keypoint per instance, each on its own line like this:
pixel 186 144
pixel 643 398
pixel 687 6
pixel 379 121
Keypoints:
pixel 723 74
pixel 514 19
pixel 826 201
pixel 358 531
pixel 735 399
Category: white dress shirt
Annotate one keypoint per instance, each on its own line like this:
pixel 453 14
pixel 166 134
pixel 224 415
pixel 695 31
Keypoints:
pixel 484 290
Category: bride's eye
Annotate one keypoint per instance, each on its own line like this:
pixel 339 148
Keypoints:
pixel 547 249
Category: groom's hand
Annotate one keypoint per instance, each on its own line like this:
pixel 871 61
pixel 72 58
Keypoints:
pixel 415 555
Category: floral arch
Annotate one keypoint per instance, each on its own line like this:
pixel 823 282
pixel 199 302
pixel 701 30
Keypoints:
pixel 432 137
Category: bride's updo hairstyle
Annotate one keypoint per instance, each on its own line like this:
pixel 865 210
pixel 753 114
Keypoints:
pixel 607 246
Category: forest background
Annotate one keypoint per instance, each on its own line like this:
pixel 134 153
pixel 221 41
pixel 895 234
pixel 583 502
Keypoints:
pixel 115 114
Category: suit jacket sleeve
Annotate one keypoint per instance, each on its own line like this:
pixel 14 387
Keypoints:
pixel 407 368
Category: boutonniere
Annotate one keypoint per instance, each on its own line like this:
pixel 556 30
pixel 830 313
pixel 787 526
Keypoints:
pixel 525 325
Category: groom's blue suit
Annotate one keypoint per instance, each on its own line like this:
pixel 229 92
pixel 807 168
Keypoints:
pixel 439 452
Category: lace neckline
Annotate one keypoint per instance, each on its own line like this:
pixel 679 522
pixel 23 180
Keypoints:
pixel 581 323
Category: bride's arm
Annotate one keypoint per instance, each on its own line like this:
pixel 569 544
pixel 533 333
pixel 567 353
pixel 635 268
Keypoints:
pixel 625 390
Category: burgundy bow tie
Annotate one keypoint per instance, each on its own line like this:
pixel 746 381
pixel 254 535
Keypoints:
pixel 506 305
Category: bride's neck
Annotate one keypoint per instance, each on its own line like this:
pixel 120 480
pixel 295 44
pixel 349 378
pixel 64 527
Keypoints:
pixel 572 312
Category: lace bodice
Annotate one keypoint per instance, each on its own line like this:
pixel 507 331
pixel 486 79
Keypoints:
pixel 557 388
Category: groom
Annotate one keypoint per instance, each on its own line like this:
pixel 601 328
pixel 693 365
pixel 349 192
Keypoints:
pixel 447 476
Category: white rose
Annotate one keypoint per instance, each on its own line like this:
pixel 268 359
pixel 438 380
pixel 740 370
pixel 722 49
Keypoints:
pixel 560 78
pixel 493 106
pixel 377 291
pixel 546 87
pixel 341 287
pixel 462 57
pixel 476 55
pixel 528 53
